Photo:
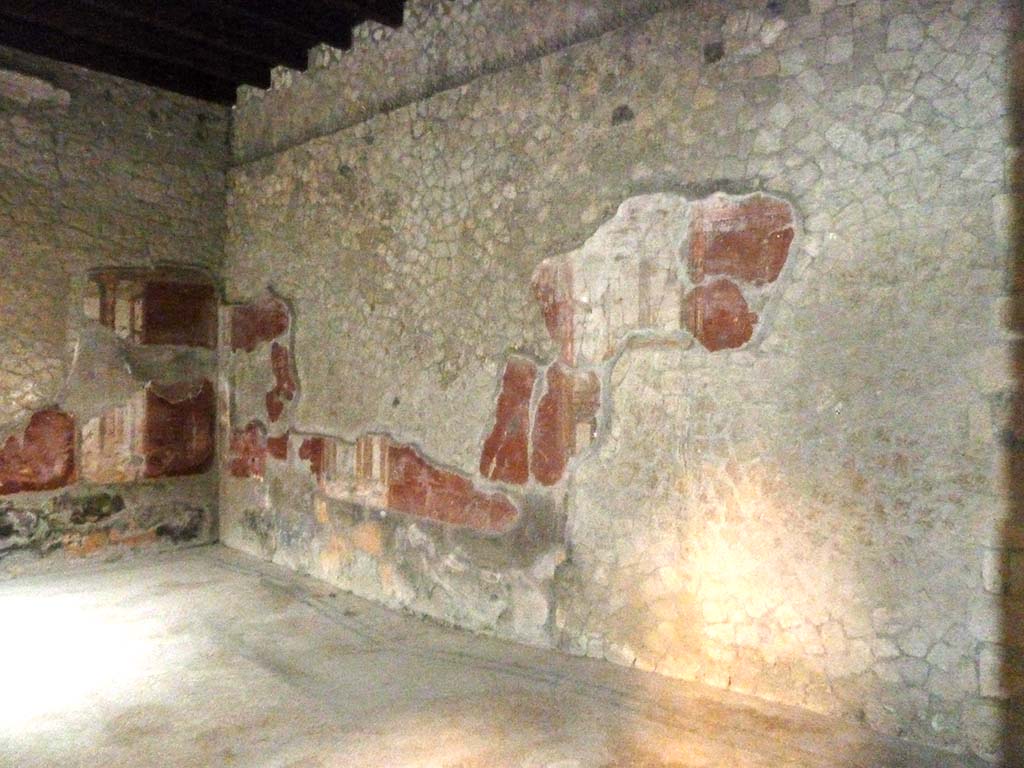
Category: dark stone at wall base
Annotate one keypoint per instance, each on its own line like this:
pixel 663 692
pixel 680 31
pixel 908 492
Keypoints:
pixel 89 509
pixel 185 530
pixel 17 526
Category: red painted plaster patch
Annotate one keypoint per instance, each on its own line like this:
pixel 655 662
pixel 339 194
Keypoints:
pixel 552 287
pixel 277 447
pixel 312 450
pixel 566 416
pixel 167 305
pixel 506 450
pixel 416 487
pixel 43 458
pixel 262 320
pixel 284 383
pixel 718 316
pixel 179 429
pixel 248 451
pixel 179 313
pixel 746 240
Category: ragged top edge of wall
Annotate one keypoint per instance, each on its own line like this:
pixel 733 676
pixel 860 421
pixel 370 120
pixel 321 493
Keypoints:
pixel 409 84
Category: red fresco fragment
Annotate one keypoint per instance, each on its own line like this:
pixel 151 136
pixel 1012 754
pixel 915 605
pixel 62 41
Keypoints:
pixel 262 320
pixel 277 447
pixel 505 454
pixel 284 383
pixel 248 451
pixel 179 313
pixel 312 450
pixel 418 488
pixel 552 287
pixel 571 398
pixel 718 316
pixel 43 458
pixel 747 240
pixel 179 429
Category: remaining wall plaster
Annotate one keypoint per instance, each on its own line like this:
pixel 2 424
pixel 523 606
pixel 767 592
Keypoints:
pixel 108 189
pixel 819 516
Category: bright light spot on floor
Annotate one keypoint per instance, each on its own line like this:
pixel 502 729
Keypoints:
pixel 61 655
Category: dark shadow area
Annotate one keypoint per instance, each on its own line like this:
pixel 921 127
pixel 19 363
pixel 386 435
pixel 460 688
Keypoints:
pixel 1007 698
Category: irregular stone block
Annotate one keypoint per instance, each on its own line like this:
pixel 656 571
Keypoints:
pixel 418 488
pixel 505 455
pixel 84 544
pixel 179 430
pixel 248 451
pixel 43 458
pixel 31 91
pixel 88 509
pixel 284 383
pixel 718 316
pixel 746 239
pixel 17 526
pixel 256 322
pixel 565 422
pixel 186 525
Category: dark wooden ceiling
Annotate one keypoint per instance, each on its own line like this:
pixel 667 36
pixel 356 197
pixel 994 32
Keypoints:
pixel 203 48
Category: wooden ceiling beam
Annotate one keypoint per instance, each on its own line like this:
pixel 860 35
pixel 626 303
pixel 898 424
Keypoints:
pixel 55 45
pixel 233 33
pixel 319 22
pixel 74 20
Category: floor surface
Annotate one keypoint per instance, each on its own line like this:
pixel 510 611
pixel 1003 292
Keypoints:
pixel 208 658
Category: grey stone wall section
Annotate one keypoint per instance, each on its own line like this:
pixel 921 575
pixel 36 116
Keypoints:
pixel 441 44
pixel 820 518
pixel 94 171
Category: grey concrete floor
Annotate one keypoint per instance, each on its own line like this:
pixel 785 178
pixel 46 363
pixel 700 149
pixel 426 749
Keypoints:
pixel 209 658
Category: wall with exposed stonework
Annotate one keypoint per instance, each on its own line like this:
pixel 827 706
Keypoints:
pixel 111 235
pixel 674 334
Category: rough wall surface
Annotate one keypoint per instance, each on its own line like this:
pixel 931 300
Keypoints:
pixel 108 190
pixel 792 479
pixel 440 44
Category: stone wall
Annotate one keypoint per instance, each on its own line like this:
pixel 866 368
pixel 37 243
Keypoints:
pixel 111 233
pixel 688 345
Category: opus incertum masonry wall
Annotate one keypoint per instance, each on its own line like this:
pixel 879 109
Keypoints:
pixel 674 334
pixel 111 223
pixel 678 334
